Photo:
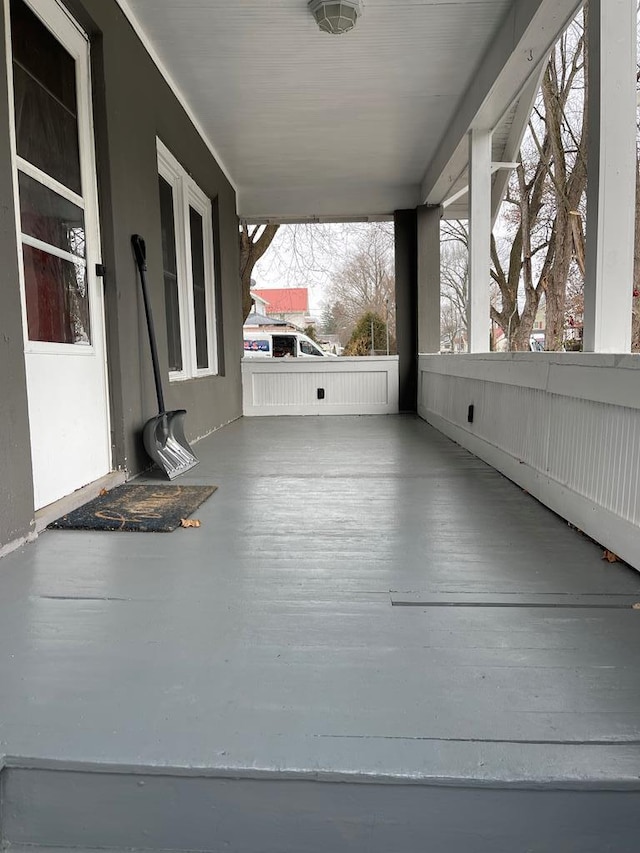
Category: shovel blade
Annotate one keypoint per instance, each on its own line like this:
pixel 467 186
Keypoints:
pixel 165 442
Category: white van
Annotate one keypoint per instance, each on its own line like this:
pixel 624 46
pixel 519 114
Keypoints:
pixel 259 344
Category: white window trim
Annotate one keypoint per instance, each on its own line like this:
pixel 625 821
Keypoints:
pixel 186 193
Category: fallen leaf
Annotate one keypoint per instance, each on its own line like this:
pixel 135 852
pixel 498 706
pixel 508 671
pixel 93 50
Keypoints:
pixel 610 557
pixel 103 492
pixel 189 522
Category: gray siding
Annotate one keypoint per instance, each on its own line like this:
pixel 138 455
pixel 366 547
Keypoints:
pixel 16 493
pixel 132 105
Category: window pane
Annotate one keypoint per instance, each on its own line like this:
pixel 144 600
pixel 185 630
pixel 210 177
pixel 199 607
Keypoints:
pixel 45 99
pixel 199 293
pixel 47 216
pixel 56 295
pixel 38 51
pixel 169 263
pixel 309 349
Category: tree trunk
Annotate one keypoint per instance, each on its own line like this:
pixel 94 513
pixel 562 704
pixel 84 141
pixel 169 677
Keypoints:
pixel 556 288
pixel 635 325
pixel 520 339
pixel 252 248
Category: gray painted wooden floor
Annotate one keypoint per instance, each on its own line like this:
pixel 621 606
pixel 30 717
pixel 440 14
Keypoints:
pixel 270 639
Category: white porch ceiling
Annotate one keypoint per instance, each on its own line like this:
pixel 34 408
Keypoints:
pixel 312 125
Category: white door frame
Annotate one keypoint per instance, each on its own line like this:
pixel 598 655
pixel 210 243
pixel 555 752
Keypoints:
pixel 75 41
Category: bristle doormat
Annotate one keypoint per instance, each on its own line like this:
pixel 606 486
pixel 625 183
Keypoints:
pixel 137 509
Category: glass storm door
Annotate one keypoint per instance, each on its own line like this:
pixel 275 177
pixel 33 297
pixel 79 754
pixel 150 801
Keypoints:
pixel 59 241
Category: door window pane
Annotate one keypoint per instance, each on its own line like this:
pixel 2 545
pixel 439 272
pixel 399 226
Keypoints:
pixel 39 52
pixel 44 99
pixel 199 293
pixel 56 294
pixel 170 267
pixel 49 217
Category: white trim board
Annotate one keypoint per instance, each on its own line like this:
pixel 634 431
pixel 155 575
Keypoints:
pixel 597 377
pixel 184 103
pixel 352 386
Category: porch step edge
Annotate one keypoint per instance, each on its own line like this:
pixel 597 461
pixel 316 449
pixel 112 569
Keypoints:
pixel 45 811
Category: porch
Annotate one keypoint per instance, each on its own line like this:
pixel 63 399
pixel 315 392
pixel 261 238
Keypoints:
pixel 371 634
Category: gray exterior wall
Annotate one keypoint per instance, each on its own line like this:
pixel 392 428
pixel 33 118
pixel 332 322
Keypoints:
pixel 16 492
pixel 132 105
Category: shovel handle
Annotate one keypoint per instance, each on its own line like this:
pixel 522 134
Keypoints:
pixel 140 252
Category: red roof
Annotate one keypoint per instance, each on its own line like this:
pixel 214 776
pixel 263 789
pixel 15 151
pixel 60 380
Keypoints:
pixel 285 300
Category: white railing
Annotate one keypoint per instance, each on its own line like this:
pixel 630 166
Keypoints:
pixel 320 386
pixel 564 426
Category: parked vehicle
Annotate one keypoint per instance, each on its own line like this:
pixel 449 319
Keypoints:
pixel 259 344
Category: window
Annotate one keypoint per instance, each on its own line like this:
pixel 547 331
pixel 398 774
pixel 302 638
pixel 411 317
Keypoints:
pixel 309 349
pixel 187 261
pixel 284 346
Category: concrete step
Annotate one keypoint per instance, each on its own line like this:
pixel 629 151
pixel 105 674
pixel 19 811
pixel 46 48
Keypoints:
pixel 102 807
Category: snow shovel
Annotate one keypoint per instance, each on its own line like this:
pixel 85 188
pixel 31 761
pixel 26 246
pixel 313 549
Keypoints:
pixel 163 436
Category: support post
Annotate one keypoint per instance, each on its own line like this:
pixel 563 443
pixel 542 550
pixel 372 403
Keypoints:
pixel 429 278
pixel 612 176
pixel 406 252
pixel 479 240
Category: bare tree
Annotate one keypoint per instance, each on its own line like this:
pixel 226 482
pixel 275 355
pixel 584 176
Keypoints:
pixel 364 282
pixel 541 252
pixel 336 321
pixel 546 201
pixel 454 280
pixel 303 254
pixel 254 242
pixel 451 327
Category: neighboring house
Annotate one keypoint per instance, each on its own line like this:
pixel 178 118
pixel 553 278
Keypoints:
pixel 286 303
pixel 261 321
pixel 258 304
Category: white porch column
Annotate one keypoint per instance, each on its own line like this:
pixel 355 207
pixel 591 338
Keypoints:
pixel 612 176
pixel 429 279
pixel 478 324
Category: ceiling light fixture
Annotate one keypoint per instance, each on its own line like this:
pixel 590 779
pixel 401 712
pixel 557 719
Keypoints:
pixel 336 16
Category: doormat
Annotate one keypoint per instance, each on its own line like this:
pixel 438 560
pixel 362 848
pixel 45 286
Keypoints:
pixel 137 509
